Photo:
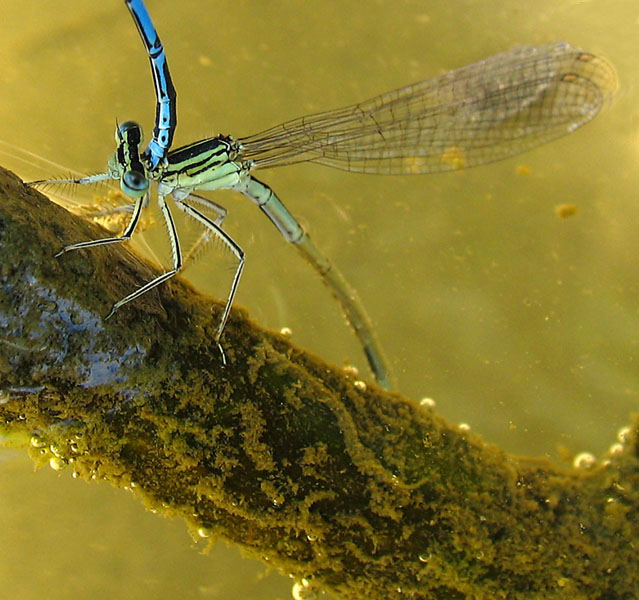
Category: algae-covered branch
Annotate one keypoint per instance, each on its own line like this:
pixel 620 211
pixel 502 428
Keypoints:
pixel 356 490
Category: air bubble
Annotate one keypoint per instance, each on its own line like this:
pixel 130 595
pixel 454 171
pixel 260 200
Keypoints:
pixel 624 435
pixel 286 332
pixel 583 460
pixel 56 463
pixel 464 427
pixel 427 403
pixel 55 450
pixel 204 532
pixel 302 590
pixel 37 441
pixel 351 370
pixel 616 449
pixel 360 385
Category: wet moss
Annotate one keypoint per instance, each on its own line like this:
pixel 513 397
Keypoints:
pixel 357 490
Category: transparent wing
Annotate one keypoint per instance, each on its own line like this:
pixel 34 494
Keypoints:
pixel 480 113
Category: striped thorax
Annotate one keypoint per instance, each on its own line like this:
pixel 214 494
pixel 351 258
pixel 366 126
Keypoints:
pixel 210 164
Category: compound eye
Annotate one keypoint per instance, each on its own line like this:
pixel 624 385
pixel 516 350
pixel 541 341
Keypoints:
pixel 130 131
pixel 134 184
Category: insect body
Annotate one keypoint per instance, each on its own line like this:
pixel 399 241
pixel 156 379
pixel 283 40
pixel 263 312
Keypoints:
pixel 480 113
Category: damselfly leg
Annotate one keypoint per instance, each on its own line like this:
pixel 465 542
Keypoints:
pixel 215 228
pixel 125 236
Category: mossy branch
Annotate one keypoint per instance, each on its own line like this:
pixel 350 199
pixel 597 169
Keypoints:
pixel 360 491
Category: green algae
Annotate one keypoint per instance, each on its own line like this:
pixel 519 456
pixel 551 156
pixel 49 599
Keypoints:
pixel 359 491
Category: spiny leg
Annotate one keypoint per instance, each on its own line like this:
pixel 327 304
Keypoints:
pixel 109 212
pixel 220 214
pixel 42 184
pixel 214 207
pixel 176 255
pixel 126 234
pixel 75 181
pixel 353 309
pixel 236 250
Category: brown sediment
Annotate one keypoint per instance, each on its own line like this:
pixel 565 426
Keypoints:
pixel 359 491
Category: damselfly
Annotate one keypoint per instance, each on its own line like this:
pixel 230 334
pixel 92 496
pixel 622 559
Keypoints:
pixel 480 113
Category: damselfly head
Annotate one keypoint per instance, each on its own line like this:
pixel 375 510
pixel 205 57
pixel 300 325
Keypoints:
pixel 125 164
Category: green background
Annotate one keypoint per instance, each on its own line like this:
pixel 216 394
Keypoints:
pixel 518 322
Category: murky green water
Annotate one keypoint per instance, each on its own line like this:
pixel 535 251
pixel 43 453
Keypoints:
pixel 521 323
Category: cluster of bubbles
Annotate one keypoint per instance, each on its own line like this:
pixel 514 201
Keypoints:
pixel 59 454
pixel 352 372
pixel 587 460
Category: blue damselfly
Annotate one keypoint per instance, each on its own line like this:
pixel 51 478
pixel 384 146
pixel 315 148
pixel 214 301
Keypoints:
pixel 473 115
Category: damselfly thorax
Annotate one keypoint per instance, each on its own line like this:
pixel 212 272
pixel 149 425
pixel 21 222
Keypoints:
pixel 210 164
